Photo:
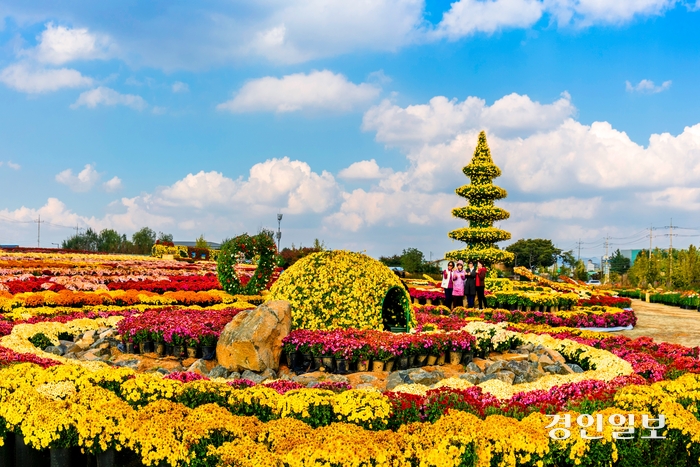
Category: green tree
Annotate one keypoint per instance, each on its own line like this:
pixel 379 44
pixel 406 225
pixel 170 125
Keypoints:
pixel 391 261
pixel 536 252
pixel 89 241
pixel 201 242
pixel 481 236
pixel 618 263
pixel 109 241
pixel 412 260
pixel 163 237
pixel 143 240
pixel 580 272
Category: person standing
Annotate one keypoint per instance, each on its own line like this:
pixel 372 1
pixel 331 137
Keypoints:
pixel 470 284
pixel 458 279
pixel 480 283
pixel 447 283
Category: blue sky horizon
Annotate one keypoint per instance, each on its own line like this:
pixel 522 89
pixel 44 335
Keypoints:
pixel 353 120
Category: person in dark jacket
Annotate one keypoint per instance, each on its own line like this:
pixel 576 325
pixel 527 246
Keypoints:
pixel 470 284
pixel 480 283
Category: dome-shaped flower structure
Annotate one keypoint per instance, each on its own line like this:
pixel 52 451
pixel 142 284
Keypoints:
pixel 340 289
pixel 481 236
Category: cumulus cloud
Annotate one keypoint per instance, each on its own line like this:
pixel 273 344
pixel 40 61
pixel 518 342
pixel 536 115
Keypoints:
pixel 646 86
pixel 179 87
pixel 442 118
pixel 685 198
pixel 60 44
pixel 109 97
pixel 113 184
pixel 25 77
pixel 83 181
pixel 466 17
pixel 271 185
pixel 318 90
pixel 364 170
pixel 585 13
pixel 11 165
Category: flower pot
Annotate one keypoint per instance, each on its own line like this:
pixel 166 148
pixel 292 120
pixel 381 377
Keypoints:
pixel 160 349
pixel 389 365
pixel 25 455
pixel 403 363
pixel 148 347
pixel 61 457
pixel 341 366
pixel 362 365
pixel 179 351
pixel 307 362
pixel 130 347
pixel 168 349
pixel 377 366
pixel 455 358
pixel 318 363
pixel 191 352
pixel 420 360
pixel 106 459
pixel 7 451
pixel 467 357
pixel 291 359
pixel 431 360
pixel 208 352
pixel 328 363
pixel 441 359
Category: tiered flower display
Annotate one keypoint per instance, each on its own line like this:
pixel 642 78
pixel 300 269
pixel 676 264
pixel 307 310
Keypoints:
pixel 481 236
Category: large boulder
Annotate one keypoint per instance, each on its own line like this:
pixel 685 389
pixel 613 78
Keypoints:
pixel 253 339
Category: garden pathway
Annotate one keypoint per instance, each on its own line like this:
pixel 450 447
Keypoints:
pixel 665 324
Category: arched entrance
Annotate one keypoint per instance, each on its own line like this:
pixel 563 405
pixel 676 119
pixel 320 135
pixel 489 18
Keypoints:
pixel 395 310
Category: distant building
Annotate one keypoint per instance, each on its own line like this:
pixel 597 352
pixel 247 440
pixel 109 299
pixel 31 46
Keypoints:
pixel 630 254
pixel 212 245
pixel 9 246
pixel 591 266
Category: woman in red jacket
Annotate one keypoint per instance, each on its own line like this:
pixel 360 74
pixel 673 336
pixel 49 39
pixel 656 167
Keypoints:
pixel 480 282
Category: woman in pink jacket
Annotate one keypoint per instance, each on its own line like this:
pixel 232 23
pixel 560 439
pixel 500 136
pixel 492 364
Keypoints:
pixel 458 278
pixel 447 283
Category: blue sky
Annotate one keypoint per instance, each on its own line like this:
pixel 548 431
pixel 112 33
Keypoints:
pixel 353 119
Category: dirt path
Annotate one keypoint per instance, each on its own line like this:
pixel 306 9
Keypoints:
pixel 666 324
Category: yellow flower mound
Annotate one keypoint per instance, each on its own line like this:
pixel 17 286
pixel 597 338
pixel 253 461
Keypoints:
pixel 339 290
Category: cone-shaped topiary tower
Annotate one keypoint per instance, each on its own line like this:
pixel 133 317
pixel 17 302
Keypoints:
pixel 481 235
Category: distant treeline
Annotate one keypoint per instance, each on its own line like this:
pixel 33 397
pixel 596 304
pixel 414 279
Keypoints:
pixel 111 241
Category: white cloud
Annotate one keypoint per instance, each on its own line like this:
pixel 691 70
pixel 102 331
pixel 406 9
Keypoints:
pixel 113 184
pixel 685 198
pixel 585 13
pixel 84 181
pixel 563 208
pixel 442 119
pixel 318 90
pixel 107 96
pixel 11 165
pixel 364 170
pixel 59 44
pixel 271 185
pixel 646 86
pixel 466 17
pixel 179 86
pixel 28 78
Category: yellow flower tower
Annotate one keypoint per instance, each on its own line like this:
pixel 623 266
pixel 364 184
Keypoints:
pixel 481 236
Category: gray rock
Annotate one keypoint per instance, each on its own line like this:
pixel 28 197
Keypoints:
pixel 218 372
pixel 575 367
pixel 97 343
pixel 162 371
pixel 338 378
pixel 133 363
pixel 68 344
pixel 519 368
pixel 367 378
pixel 254 377
pixel 426 378
pixel 269 373
pixel 474 378
pixel 234 375
pixel 496 367
pixel 557 369
pixel 55 349
pixel 396 378
pixel 473 367
pixel 505 376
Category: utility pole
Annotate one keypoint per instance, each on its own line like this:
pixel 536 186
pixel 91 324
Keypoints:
pixel 38 231
pixel 579 250
pixel 670 252
pixel 279 231
pixel 651 235
pixel 606 267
